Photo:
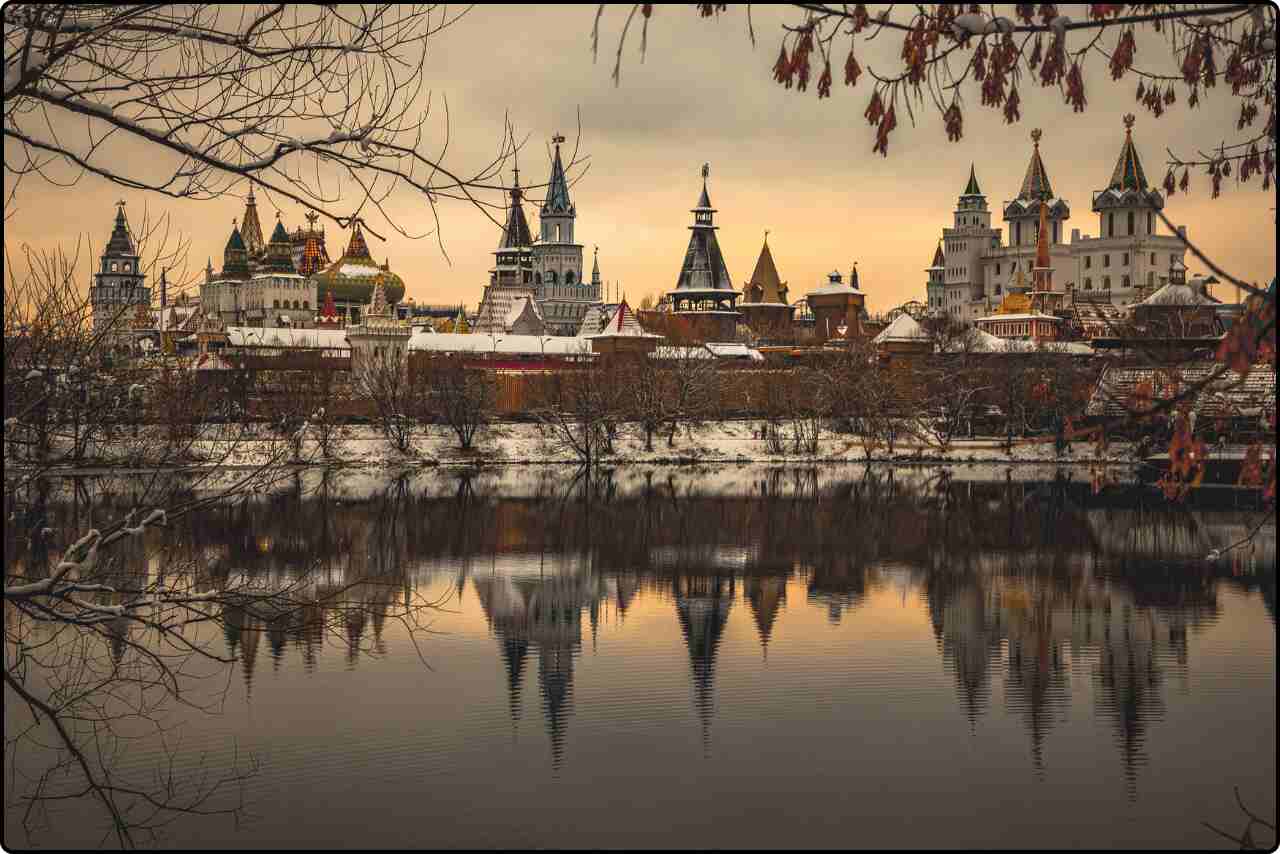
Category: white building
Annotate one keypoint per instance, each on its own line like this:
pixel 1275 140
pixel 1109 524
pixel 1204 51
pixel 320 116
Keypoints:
pixel 1124 261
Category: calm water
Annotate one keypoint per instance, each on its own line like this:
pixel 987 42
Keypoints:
pixel 727 657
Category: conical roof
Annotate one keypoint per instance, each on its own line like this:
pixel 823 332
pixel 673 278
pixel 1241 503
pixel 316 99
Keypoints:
pixel 622 324
pixel 766 277
pixel 280 251
pixel 515 233
pixel 120 243
pixel 557 201
pixel 972 188
pixel 903 328
pixel 1128 174
pixel 939 260
pixel 251 229
pixel 235 260
pixel 1035 185
pixel 357 248
pixel 704 268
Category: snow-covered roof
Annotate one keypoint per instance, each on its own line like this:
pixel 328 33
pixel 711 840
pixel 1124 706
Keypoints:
pixel 622 324
pixel 904 328
pixel 1179 294
pixel 734 351
pixel 670 352
pixel 510 345
pixel 248 336
pixel 210 362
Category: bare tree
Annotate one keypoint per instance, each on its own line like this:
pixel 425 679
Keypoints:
pixel 462 396
pixel 692 387
pixel 382 378
pixel 321 105
pixel 576 412
pixel 950 51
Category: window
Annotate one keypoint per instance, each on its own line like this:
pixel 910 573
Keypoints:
pixel 1153 257
pixel 1130 218
pixel 275 303
pixel 1126 259
pixel 1106 283
pixel 1151 277
pixel 1088 261
pixel 114 267
pixel 1111 225
pixel 1124 282
pixel 1017 233
pixel 568 278
pixel 306 304
pixel 997 269
pixel 1106 260
pixel 1151 226
pixel 1088 284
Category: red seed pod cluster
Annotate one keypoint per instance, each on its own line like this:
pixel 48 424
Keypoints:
pixel 852 70
pixel 1122 56
pixel 1075 89
pixel 887 123
pixel 1011 105
pixel 954 122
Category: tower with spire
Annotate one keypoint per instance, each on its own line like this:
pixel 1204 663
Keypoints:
pixel 119 285
pixel 936 288
pixel 511 278
pixel 957 288
pixel 277 295
pixel 764 304
pixel 704 296
pixel 251 230
pixel 563 295
pixel 1129 256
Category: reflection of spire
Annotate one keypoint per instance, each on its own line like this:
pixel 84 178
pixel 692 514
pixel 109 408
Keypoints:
pixel 1129 692
pixel 555 680
pixel 277 634
pixel 1036 683
pixel 252 638
pixel 702 606
pixel 766 596
pixel 969 637
pixel 507 614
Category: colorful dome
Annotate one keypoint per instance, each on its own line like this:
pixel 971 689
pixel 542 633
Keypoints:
pixel 352 277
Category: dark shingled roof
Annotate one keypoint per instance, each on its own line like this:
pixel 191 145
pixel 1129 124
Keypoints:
pixel 516 232
pixel 972 189
pixel 120 242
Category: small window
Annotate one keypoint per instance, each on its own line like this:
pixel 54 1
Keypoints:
pixel 1106 260
pixel 1124 282
pixel 1153 257
pixel 275 303
pixel 306 304
pixel 1088 284
pixel 1126 259
pixel 1130 222
pixel 1151 225
pixel 114 267
pixel 1106 283
pixel 1088 261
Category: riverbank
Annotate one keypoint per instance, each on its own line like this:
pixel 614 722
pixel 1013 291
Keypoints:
pixel 512 443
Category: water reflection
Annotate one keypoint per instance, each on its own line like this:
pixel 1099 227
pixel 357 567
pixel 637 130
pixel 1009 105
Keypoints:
pixel 1044 600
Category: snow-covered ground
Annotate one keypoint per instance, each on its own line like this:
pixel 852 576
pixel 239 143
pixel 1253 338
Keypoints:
pixel 531 444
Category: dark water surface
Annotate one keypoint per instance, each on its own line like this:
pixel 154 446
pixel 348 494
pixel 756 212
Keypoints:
pixel 724 657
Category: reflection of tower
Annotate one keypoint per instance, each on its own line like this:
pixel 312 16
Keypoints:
pixel 1129 690
pixel 506 609
pixel 1036 684
pixel 969 636
pixel 702 606
pixel 840 586
pixel 766 596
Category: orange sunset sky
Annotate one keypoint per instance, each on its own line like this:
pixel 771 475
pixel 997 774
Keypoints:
pixel 780 160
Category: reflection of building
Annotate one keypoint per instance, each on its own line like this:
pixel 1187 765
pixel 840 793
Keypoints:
pixel 702 606
pixel 544 614
pixel 767 595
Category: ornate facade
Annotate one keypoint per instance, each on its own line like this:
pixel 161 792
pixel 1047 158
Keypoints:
pixel 1119 266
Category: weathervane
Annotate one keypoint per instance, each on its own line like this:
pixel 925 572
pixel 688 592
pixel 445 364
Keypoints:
pixel 1035 136
pixel 1128 122
pixel 557 139
pixel 706 171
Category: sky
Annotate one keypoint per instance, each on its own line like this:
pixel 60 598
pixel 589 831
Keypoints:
pixel 780 160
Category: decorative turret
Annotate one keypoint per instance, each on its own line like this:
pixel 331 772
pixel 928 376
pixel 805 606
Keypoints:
pixel 558 212
pixel 935 288
pixel 765 285
pixel 765 306
pixel 1124 207
pixel 235 258
pixel 329 313
pixel 279 258
pixel 596 284
pixel 351 277
pixel 314 255
pixel 1036 192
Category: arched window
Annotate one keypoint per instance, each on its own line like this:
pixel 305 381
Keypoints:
pixel 114 267
pixel 551 277
pixel 568 277
pixel 295 304
pixel 1124 281
pixel 306 304
pixel 1106 283
pixel 1130 218
pixel 275 303
pixel 1111 225
pixel 1088 284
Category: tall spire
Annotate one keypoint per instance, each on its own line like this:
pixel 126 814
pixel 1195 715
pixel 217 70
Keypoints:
pixel 595 270
pixel 557 201
pixel 1128 174
pixel 1035 186
pixel 280 250
pixel 939 260
pixel 704 268
pixel 766 278
pixel 1042 272
pixel 972 188
pixel 251 229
